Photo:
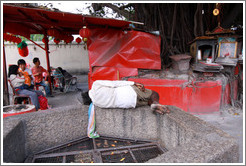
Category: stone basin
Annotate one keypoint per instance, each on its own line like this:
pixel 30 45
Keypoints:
pixel 187 138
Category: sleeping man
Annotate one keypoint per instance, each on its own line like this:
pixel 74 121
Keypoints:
pixel 124 94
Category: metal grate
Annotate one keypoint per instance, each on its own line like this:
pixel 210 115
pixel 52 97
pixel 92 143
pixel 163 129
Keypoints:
pixel 57 159
pixel 117 157
pixel 99 150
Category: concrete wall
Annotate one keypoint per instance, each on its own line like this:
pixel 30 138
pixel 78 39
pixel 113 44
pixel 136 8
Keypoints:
pixel 71 57
pixel 187 138
pixel 14 141
pixel 42 130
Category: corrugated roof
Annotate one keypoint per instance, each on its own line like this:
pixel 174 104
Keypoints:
pixel 36 21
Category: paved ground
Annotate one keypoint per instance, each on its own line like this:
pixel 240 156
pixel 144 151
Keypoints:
pixel 227 120
pixel 230 123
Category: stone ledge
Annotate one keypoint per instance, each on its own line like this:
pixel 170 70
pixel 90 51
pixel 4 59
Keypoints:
pixel 188 138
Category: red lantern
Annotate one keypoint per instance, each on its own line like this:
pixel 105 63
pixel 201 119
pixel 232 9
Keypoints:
pixel 57 41
pixel 6 37
pixel 67 41
pixel 84 32
pixel 78 40
pixel 11 38
pixel 14 39
pixel 23 52
pixel 43 40
pixel 18 40
pixel 70 38
pixel 53 32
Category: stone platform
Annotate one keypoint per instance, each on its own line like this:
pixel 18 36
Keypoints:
pixel 187 138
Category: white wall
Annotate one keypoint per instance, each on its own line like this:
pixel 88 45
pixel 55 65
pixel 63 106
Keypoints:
pixel 71 57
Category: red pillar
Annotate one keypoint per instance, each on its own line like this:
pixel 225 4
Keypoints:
pixel 5 81
pixel 48 59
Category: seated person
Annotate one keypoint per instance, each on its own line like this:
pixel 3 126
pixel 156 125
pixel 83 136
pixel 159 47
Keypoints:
pixel 28 84
pixel 37 72
pixel 18 80
pixel 124 94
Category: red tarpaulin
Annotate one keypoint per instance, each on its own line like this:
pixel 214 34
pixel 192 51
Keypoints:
pixel 116 53
pixel 131 49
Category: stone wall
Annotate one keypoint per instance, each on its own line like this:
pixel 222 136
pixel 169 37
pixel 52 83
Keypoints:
pixel 43 129
pixel 14 141
pixel 187 138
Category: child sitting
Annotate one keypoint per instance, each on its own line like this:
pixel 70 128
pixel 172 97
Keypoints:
pixel 23 71
pixel 27 83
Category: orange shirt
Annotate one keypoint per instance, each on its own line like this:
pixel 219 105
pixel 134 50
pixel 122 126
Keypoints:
pixel 27 77
pixel 35 70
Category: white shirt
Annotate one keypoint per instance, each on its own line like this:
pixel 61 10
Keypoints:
pixel 113 94
pixel 16 81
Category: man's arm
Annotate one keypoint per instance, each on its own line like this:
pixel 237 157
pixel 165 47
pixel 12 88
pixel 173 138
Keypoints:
pixel 45 71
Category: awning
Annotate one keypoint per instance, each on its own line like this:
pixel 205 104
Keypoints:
pixel 25 21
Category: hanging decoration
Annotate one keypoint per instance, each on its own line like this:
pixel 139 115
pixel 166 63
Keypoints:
pixel 57 41
pixel 78 40
pixel 67 41
pixel 53 32
pixel 43 40
pixel 70 38
pixel 85 32
pixel 11 38
pixel 22 49
pixel 18 40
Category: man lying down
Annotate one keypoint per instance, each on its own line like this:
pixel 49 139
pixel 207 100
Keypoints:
pixel 125 94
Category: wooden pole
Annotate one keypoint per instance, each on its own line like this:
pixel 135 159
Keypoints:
pixel 5 81
pixel 48 60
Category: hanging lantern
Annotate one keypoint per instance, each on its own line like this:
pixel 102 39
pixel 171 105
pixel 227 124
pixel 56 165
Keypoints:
pixel 57 41
pixel 14 39
pixel 11 38
pixel 53 32
pixel 70 38
pixel 84 32
pixel 67 41
pixel 18 40
pixel 78 40
pixel 22 49
pixel 43 40
pixel 6 37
